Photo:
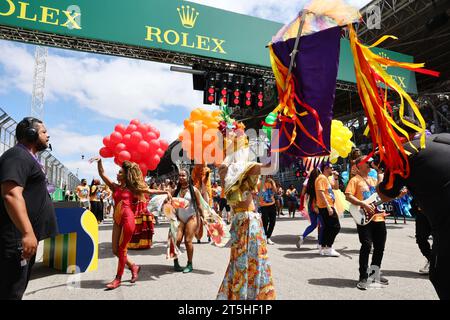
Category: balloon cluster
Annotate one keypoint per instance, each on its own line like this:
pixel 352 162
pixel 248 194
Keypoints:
pixel 201 125
pixel 341 144
pixel 137 143
pixel 270 120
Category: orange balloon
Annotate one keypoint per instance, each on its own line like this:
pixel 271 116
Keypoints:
pixel 196 114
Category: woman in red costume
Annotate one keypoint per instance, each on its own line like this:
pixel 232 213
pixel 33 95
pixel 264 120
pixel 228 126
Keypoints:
pixel 127 194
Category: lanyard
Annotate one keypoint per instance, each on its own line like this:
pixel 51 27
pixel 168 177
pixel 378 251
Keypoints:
pixel 36 159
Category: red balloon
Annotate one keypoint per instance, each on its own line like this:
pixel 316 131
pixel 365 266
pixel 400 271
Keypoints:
pixel 160 152
pixel 143 146
pixel 164 144
pixel 120 128
pixel 107 141
pixel 155 160
pixel 124 156
pixel 106 153
pixel 155 131
pixel 136 157
pixel 116 137
pixel 144 168
pixel 117 161
pixel 131 128
pixel 127 140
pixel 119 148
pixel 149 136
pixel 142 128
pixel 154 145
pixel 135 122
pixel 136 137
pixel 152 167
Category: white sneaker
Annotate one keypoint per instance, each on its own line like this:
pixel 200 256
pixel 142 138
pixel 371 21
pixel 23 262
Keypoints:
pixel 321 250
pixel 299 242
pixel 270 241
pixel 330 252
pixel 425 269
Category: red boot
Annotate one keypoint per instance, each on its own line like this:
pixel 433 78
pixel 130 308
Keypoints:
pixel 114 284
pixel 134 272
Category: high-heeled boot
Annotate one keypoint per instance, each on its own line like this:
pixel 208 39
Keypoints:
pixel 115 283
pixel 134 272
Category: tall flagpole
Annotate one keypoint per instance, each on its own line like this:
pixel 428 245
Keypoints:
pixel 296 45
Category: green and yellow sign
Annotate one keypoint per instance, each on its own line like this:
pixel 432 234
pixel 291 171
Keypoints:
pixel 169 25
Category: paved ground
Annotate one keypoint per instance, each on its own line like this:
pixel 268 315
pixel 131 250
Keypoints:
pixel 298 274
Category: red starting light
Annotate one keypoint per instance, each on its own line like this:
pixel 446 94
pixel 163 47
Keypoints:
pixel 248 95
pixel 236 101
pixel 211 90
pixel 211 99
pixel 224 92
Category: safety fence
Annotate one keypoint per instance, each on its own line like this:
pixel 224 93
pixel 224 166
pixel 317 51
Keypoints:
pixel 58 175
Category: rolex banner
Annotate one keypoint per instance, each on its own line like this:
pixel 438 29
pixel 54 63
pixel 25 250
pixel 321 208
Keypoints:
pixel 174 26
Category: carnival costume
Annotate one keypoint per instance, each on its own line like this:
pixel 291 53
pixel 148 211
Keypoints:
pixel 249 275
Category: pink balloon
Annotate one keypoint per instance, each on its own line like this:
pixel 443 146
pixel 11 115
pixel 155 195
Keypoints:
pixel 107 141
pixel 127 140
pixel 154 145
pixel 136 137
pixel 143 146
pixel 136 157
pixel 106 153
pixel 135 122
pixel 116 137
pixel 149 136
pixel 119 148
pixel 131 128
pixel 124 156
pixel 164 144
pixel 160 152
pixel 120 128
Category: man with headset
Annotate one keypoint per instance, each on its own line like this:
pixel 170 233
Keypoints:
pixel 26 210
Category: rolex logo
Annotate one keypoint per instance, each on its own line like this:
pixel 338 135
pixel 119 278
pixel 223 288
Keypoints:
pixel 188 16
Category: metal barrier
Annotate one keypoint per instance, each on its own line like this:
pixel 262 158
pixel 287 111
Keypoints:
pixel 57 173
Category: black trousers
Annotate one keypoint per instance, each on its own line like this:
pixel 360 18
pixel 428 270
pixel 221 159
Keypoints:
pixel 223 204
pixel 13 277
pixel 423 232
pixel 373 233
pixel 331 227
pixel 269 217
pixel 440 261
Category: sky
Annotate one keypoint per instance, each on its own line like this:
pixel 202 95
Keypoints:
pixel 86 95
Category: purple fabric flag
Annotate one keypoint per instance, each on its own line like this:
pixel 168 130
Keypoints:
pixel 315 73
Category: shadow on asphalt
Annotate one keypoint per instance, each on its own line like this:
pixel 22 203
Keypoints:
pixel 403 274
pixel 154 271
pixel 294 249
pixel 348 230
pixel 284 239
pixel 333 282
pixel 41 271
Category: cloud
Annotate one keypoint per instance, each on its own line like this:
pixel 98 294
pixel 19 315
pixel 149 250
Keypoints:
pixel 115 88
pixel 282 11
pixel 89 171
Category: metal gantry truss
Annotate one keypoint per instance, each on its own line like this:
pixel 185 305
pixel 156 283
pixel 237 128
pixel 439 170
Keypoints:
pixel 409 21
pixel 37 98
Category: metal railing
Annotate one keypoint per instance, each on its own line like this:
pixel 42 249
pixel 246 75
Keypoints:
pixel 57 174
